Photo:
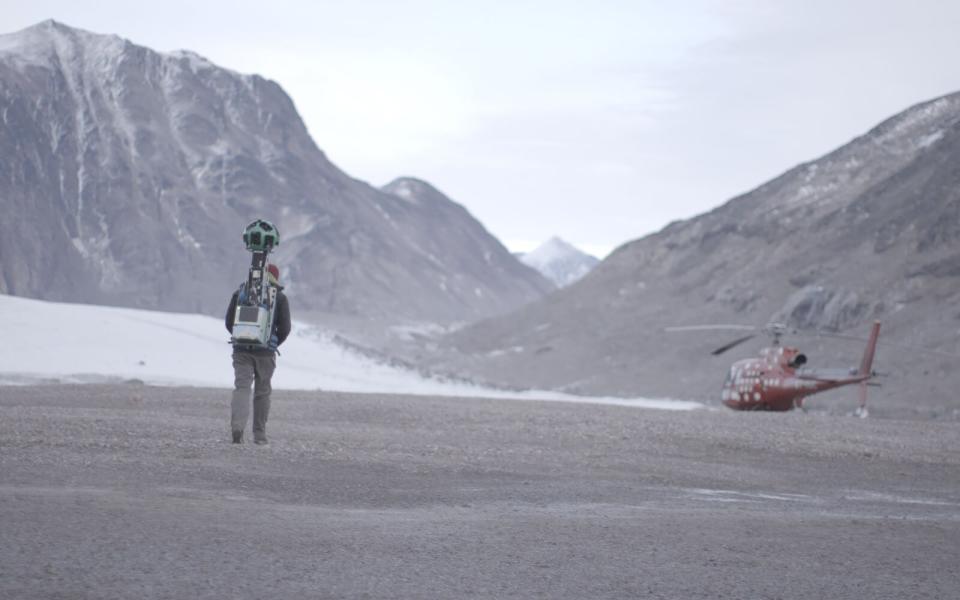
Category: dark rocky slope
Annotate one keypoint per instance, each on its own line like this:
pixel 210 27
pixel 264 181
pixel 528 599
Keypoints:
pixel 869 231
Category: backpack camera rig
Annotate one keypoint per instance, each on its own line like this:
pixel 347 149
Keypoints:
pixel 257 298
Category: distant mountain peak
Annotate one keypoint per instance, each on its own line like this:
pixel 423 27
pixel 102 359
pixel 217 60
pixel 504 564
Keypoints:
pixel 555 244
pixel 560 261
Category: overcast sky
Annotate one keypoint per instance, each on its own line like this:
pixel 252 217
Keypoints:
pixel 596 121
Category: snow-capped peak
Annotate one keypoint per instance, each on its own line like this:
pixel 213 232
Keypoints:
pixel 560 261
pixel 409 188
pixel 41 41
pixel 551 250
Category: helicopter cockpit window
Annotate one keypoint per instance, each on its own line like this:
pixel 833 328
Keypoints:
pixel 731 374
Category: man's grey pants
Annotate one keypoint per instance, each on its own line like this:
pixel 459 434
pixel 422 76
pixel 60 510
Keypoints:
pixel 251 368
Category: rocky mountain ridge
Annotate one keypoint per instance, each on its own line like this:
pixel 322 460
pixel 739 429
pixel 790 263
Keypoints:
pixel 131 174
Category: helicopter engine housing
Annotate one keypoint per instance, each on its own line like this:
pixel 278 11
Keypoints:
pixel 798 361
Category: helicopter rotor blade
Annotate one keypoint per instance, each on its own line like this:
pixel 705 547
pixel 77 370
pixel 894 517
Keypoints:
pixel 819 333
pixel 719 327
pixel 711 328
pixel 732 344
pixel 815 334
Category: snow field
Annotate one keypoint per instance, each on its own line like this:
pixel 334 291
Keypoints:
pixel 84 343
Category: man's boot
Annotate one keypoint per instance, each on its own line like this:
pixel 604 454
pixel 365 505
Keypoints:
pixel 238 437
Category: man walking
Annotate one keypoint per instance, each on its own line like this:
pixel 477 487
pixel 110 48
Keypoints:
pixel 254 364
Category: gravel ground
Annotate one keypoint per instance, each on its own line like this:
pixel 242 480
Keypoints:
pixel 131 491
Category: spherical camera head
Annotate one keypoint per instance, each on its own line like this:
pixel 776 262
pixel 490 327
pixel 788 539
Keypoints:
pixel 261 236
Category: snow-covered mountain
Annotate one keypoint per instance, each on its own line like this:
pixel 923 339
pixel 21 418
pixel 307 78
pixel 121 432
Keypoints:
pixel 128 175
pixel 559 261
pixel 86 343
pixel 869 231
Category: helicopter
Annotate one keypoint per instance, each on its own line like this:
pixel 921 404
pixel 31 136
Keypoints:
pixel 777 380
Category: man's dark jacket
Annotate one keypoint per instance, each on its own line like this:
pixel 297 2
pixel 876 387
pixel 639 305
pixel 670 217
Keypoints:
pixel 281 321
